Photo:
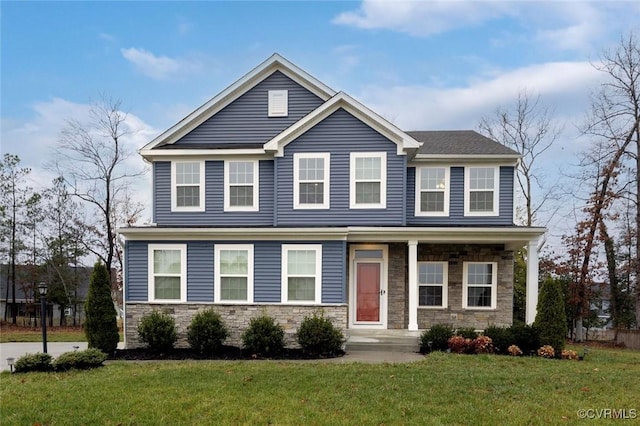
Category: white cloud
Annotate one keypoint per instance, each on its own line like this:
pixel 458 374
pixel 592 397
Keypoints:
pixel 420 18
pixel 158 67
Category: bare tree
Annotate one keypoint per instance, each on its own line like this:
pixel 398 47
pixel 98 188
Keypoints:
pixel 527 127
pixel 91 157
pixel 614 122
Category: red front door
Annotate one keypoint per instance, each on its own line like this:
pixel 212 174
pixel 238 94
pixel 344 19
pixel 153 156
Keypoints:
pixel 368 292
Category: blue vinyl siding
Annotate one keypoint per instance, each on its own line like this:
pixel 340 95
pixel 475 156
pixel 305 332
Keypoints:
pixel 246 121
pixel 340 134
pixel 456 201
pixel 214 214
pixel 267 270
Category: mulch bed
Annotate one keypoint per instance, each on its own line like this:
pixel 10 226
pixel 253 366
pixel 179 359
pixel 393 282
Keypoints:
pixel 226 353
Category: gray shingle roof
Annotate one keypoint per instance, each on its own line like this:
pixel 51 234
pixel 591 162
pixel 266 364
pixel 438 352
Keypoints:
pixel 458 142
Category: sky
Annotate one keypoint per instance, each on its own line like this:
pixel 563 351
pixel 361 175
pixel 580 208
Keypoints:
pixel 423 65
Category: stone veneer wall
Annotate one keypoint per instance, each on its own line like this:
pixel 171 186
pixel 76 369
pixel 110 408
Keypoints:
pixel 455 315
pixel 235 316
pixel 398 287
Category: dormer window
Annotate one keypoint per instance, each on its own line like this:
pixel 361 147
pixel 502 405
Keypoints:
pixel 278 103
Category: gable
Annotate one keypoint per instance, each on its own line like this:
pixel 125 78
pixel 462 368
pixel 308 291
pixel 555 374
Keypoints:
pixel 246 120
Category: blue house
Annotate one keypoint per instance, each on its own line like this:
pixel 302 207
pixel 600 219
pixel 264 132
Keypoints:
pixel 281 195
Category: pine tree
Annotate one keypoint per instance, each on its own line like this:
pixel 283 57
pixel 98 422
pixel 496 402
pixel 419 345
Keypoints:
pixel 101 327
pixel 551 320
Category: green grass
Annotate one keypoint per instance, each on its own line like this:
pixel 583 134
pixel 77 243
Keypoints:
pixel 442 389
pixel 54 334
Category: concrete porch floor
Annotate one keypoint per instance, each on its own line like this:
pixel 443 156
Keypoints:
pixel 382 340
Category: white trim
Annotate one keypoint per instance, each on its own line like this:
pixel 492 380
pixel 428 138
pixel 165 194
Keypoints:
pixel 274 63
pixel 532 282
pixel 446 190
pixel 326 181
pixel 494 286
pixel 151 248
pixel 205 154
pixel 496 191
pixel 412 261
pixel 384 262
pixel 503 159
pixel 174 195
pixel 216 273
pixel 278 103
pixel 383 180
pixel 284 286
pixel 444 285
pixel 256 190
pixel 404 142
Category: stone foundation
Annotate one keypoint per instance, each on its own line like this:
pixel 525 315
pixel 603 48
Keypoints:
pixel 236 318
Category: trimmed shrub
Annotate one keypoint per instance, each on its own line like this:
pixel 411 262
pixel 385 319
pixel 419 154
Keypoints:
pixel 502 338
pixel 467 332
pixel 263 337
pixel 157 331
pixel 33 362
pixel 80 360
pixel 551 320
pixel 525 337
pixel 319 337
pixel 513 350
pixel 101 327
pixel 438 335
pixel 207 332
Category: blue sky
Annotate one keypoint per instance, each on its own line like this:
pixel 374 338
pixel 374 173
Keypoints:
pixel 422 65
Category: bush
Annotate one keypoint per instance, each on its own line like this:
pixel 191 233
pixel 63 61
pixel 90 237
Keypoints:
pixel 460 345
pixel 547 351
pixel 157 331
pixel 502 338
pixel 438 335
pixel 207 331
pixel 101 327
pixel 263 336
pixel 33 362
pixel 467 332
pixel 551 320
pixel 569 354
pixel 319 337
pixel 525 337
pixel 513 350
pixel 80 360
pixel 482 345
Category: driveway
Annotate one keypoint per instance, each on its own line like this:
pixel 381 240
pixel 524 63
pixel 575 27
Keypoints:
pixel 16 350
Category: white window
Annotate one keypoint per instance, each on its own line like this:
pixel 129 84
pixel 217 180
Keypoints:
pixel 187 186
pixel 167 273
pixel 301 273
pixel 311 181
pixel 241 185
pixel 481 191
pixel 368 180
pixel 278 103
pixel 432 191
pixel 233 276
pixel 432 284
pixel 479 285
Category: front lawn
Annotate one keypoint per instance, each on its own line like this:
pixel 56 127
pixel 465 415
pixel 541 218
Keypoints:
pixel 10 333
pixel 442 389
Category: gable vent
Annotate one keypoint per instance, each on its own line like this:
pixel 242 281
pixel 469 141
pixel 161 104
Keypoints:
pixel 278 103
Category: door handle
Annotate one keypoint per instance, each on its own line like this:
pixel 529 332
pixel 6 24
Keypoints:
pixel 382 292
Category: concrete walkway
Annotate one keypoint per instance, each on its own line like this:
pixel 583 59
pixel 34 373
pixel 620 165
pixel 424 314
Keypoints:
pixel 16 350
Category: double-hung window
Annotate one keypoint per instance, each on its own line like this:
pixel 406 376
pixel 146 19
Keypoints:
pixel 479 285
pixel 432 191
pixel 167 272
pixel 301 273
pixel 233 276
pixel 432 284
pixel 311 181
pixel 368 180
pixel 241 185
pixel 481 191
pixel 187 186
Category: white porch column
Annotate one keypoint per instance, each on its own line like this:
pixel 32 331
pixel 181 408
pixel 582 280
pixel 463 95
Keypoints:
pixel 532 281
pixel 413 285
